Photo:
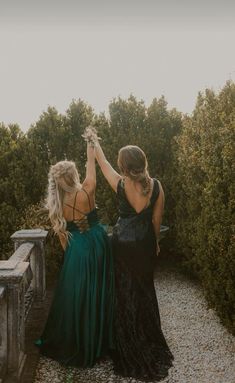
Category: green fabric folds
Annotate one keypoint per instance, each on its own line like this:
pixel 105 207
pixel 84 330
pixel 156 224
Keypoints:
pixel 79 326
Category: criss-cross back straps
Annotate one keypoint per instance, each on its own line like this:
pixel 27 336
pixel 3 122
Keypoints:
pixel 87 197
pixel 74 204
pixel 75 208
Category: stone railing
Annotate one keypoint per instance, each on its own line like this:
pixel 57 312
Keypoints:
pixel 22 280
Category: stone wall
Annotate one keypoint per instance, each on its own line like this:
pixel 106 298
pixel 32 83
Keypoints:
pixel 22 280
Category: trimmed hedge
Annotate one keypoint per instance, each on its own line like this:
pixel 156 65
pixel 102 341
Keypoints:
pixel 205 208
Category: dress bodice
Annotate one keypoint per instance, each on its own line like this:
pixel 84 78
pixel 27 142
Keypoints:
pixel 125 208
pixel 89 220
pixel 132 227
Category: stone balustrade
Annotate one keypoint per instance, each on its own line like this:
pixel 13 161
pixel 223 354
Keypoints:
pixel 22 280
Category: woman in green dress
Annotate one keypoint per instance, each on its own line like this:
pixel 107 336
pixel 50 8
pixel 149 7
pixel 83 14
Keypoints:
pixel 79 326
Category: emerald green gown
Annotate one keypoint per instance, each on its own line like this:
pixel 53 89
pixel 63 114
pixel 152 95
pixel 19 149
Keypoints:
pixel 79 326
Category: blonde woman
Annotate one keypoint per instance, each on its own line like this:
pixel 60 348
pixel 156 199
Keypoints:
pixel 141 349
pixel 79 326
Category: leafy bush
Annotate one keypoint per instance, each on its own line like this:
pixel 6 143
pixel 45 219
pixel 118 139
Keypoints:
pixel 205 209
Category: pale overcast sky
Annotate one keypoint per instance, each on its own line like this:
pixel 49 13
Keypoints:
pixel 56 51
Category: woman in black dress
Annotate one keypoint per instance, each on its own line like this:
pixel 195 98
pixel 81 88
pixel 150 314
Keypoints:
pixel 141 349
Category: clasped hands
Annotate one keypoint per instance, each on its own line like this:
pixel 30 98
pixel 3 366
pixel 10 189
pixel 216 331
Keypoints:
pixel 90 136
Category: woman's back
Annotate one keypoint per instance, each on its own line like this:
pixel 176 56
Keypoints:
pixel 134 194
pixel 136 204
pixel 78 204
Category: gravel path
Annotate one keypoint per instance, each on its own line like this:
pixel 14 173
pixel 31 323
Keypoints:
pixel 203 349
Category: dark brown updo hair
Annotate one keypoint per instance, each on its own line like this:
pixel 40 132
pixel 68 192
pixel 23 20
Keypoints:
pixel 133 163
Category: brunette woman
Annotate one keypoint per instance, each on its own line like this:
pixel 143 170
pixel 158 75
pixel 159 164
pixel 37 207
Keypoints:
pixel 141 349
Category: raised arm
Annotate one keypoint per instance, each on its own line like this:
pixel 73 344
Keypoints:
pixel 90 180
pixel 108 171
pixel 158 213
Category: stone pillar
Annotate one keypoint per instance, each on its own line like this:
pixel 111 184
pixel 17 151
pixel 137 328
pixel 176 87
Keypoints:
pixel 16 329
pixel 12 279
pixel 3 332
pixel 37 258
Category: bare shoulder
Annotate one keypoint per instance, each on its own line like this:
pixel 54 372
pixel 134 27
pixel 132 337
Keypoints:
pixel 160 197
pixel 87 197
pixel 159 185
pixel 89 185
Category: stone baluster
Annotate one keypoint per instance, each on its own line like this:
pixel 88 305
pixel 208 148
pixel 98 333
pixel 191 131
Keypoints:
pixel 37 259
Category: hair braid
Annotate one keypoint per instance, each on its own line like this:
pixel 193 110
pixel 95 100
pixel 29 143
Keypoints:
pixel 63 177
pixel 143 178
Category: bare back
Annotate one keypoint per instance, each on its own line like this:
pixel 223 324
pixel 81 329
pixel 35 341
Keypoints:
pixel 78 204
pixel 134 195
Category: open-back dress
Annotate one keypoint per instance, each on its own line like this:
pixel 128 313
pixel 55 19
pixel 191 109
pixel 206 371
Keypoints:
pixel 141 348
pixel 78 330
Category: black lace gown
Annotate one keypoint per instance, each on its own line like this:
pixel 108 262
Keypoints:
pixel 141 349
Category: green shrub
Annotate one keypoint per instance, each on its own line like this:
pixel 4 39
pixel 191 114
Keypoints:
pixel 205 214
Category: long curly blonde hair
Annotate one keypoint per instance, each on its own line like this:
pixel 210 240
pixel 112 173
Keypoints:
pixel 133 163
pixel 63 177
